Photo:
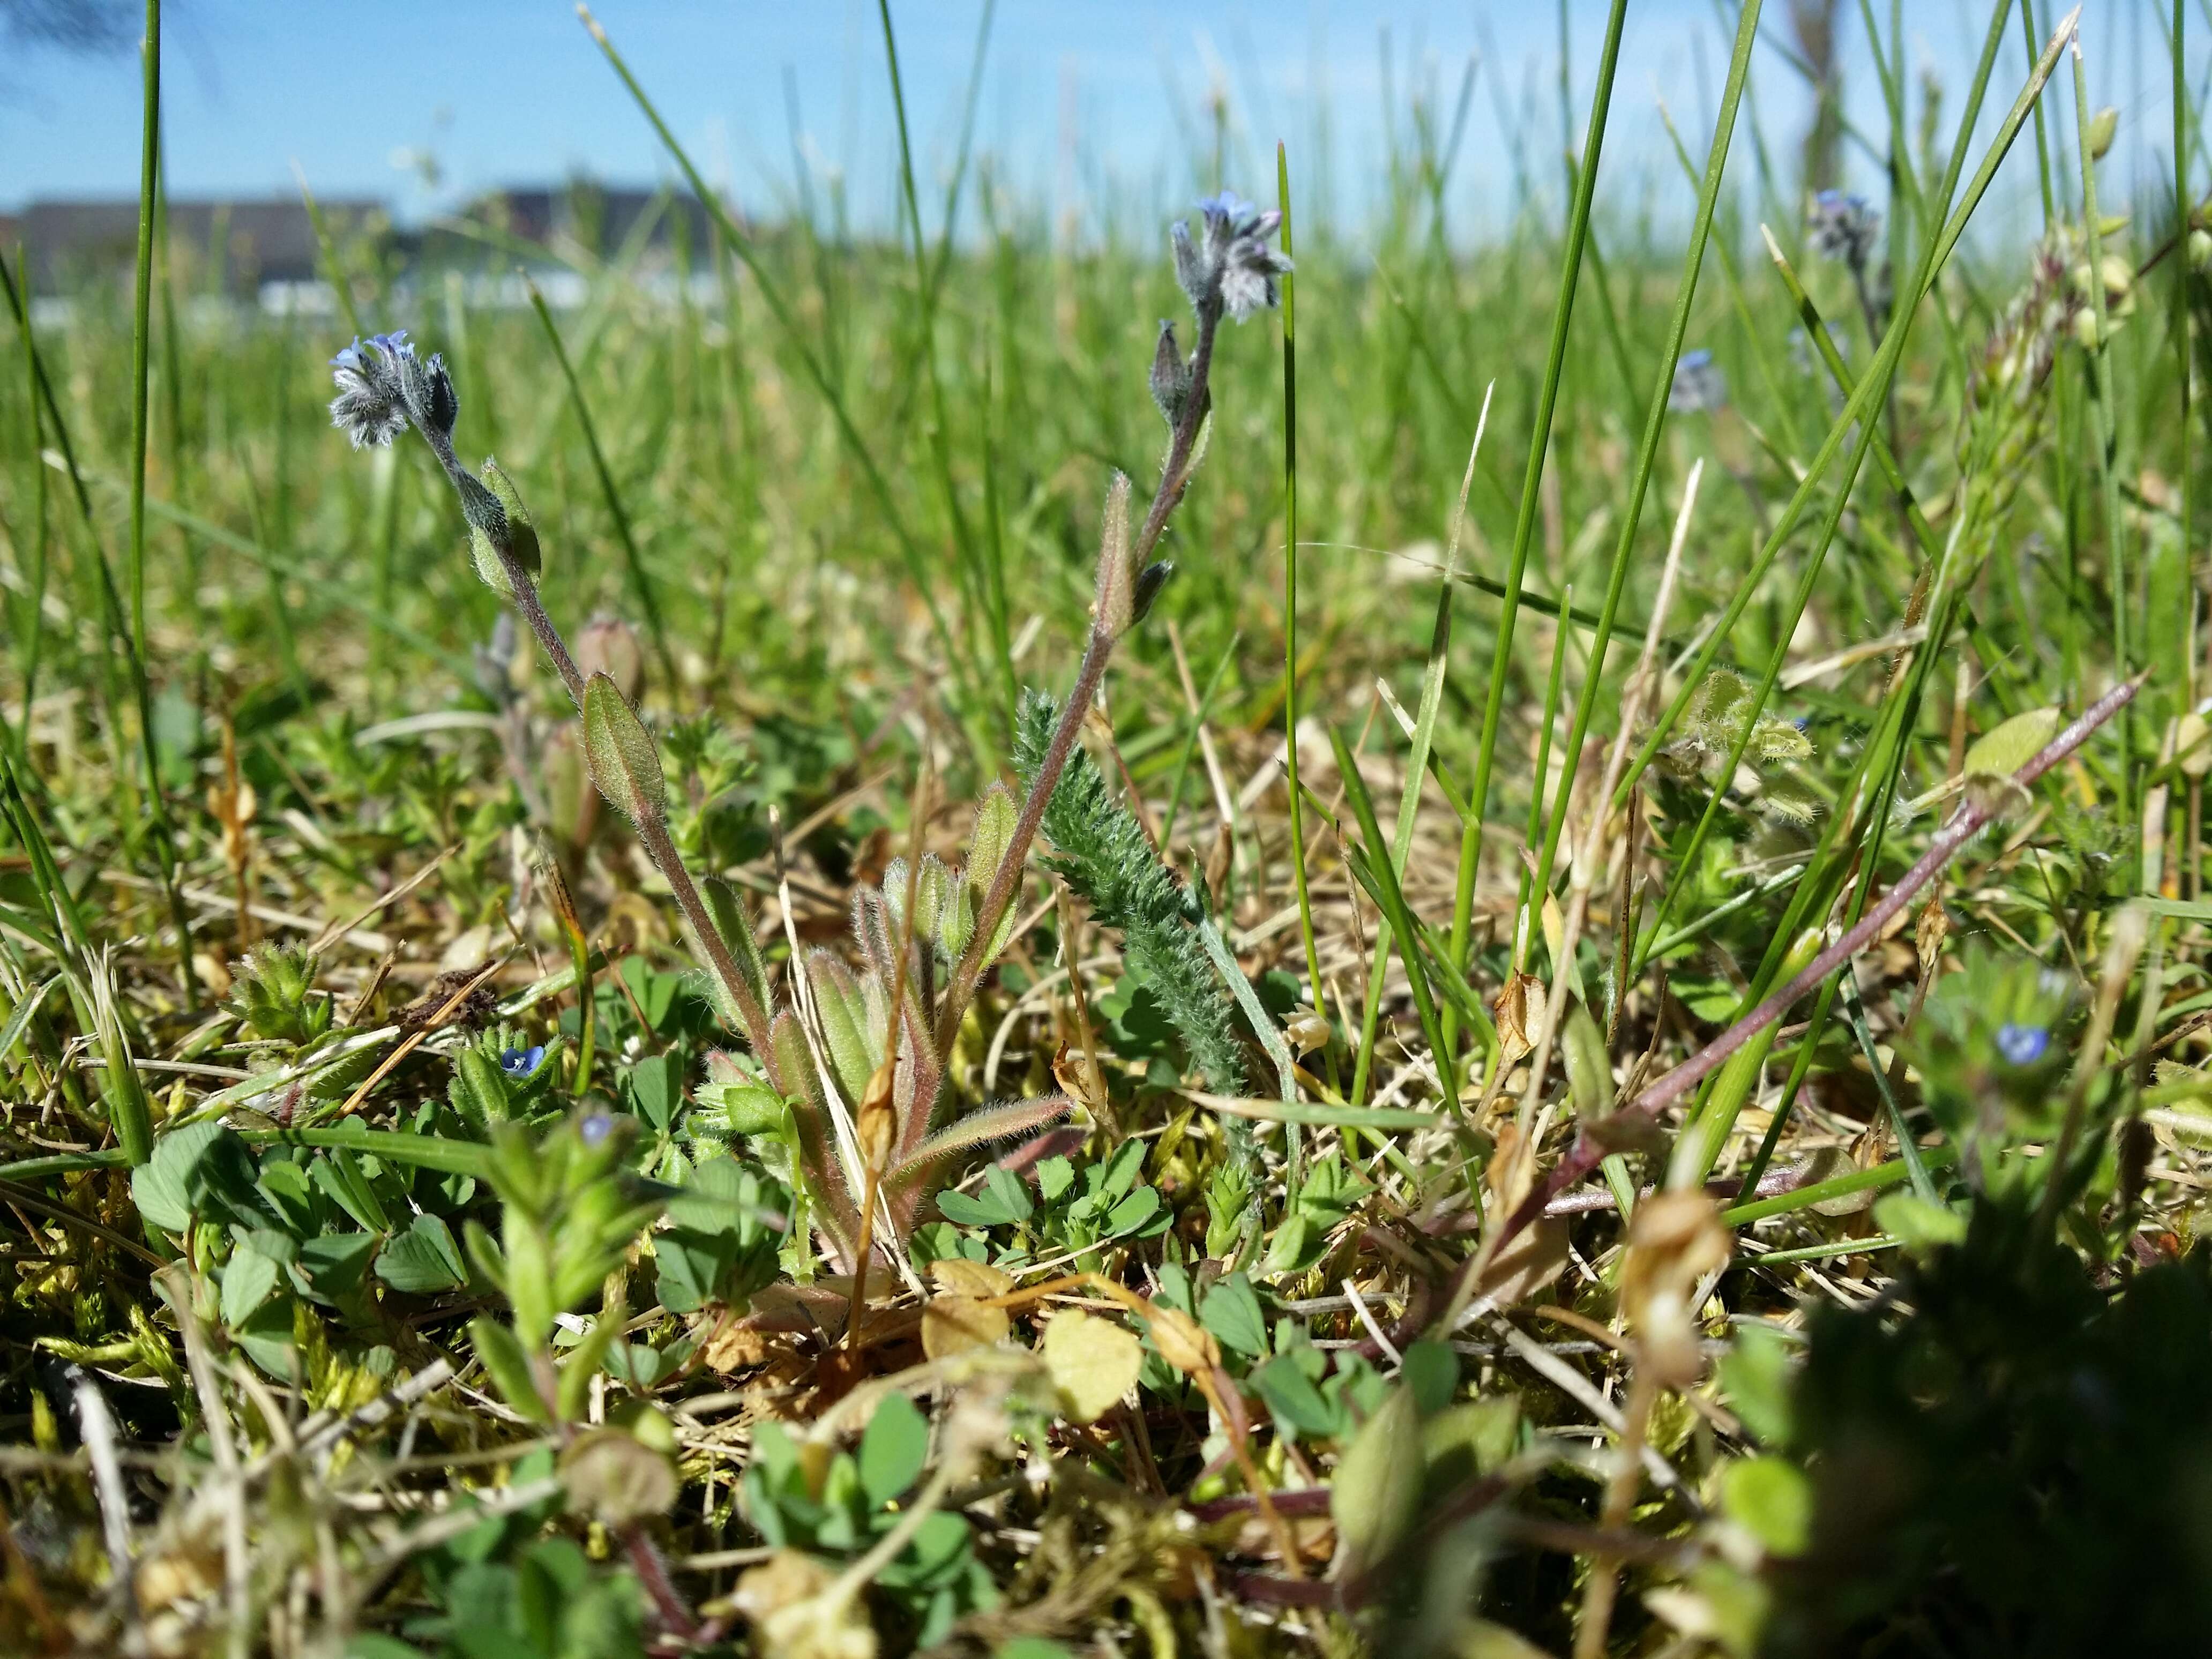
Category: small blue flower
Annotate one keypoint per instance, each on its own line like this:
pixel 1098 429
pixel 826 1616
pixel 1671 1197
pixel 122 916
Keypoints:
pixel 1700 387
pixel 2023 1045
pixel 1230 267
pixel 383 386
pixel 519 1063
pixel 1844 227
pixel 595 1128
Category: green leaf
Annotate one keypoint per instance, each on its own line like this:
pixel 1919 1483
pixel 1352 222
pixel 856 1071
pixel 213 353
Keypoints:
pixel 996 816
pixel 339 1174
pixel 571 1389
pixel 157 1187
pixel 1291 1396
pixel 939 1547
pixel 854 1037
pixel 1771 1498
pixel 201 1169
pixel 893 1447
pixel 1376 1487
pixel 1431 1372
pixel 373 1644
pixel 691 1265
pixel 1922 1226
pixel 248 1281
pixel 1589 1067
pixel 656 1088
pixel 521 535
pixel 727 912
pixel 422 1260
pixel 625 762
pixel 504 1361
pixel 2003 751
pixel 335 1263
pixel 1757 1380
pixel 1231 1311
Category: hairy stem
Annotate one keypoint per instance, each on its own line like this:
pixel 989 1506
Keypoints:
pixel 652 833
pixel 1006 879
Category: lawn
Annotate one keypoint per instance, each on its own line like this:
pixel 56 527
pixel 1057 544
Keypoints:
pixel 1496 947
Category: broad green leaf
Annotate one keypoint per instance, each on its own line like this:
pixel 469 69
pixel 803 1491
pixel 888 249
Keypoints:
pixel 1922 1226
pixel 1292 1397
pixel 1771 1498
pixel 1231 1311
pixel 1590 1069
pixel 1092 1363
pixel 248 1281
pixel 2011 745
pixel 1376 1487
pixel 1758 1379
pixel 1431 1372
pixel 893 1447
pixel 422 1260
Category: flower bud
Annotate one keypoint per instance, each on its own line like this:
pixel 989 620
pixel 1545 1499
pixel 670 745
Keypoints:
pixel 2102 127
pixel 1171 378
pixel 609 646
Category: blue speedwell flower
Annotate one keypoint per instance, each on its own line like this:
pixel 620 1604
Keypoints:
pixel 596 1127
pixel 1229 264
pixel 519 1063
pixel 1844 227
pixel 2023 1045
pixel 383 387
pixel 1700 387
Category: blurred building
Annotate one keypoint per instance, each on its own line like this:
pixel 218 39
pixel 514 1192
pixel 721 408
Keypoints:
pixel 582 218
pixel 266 252
pixel 235 247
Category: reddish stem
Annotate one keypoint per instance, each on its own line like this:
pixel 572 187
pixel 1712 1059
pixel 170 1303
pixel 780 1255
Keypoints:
pixel 1585 1156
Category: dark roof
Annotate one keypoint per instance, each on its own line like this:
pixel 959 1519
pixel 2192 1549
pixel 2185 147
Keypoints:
pixel 599 217
pixel 270 239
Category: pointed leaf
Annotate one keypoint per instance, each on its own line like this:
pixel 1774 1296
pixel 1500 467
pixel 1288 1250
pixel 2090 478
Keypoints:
pixel 508 1366
pixel 856 1043
pixel 625 760
pixel 979 1128
pixel 1378 1486
pixel 521 534
pixel 735 930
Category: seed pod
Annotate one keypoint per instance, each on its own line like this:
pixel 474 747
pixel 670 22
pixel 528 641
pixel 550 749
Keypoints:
pixel 1170 377
pixel 1113 607
pixel 624 760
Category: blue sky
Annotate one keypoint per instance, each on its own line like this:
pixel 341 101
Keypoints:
pixel 1085 103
